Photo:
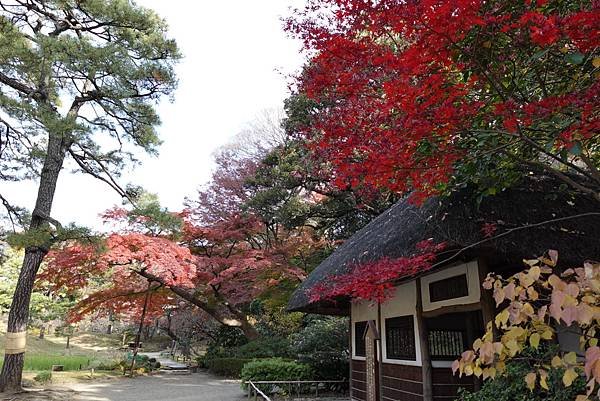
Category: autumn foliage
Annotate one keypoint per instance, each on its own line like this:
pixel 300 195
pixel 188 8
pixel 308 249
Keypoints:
pixel 374 281
pixel 113 271
pixel 412 95
pixel 534 303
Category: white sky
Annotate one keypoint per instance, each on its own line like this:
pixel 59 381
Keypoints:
pixel 236 63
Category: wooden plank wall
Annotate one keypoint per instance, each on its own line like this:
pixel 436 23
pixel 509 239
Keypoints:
pixel 401 382
pixel 358 380
pixel 404 383
pixel 446 385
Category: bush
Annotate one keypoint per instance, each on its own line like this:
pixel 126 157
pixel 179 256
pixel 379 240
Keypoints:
pixel 323 344
pixel 229 367
pixel 106 365
pixel 261 348
pixel 143 364
pixel 43 377
pixel 264 348
pixel 275 369
pixel 511 386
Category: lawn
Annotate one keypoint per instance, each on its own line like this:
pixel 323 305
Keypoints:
pixel 86 350
pixel 37 362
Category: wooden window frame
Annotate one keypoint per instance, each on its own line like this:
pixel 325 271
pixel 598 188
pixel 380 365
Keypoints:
pixel 404 323
pixel 449 288
pixel 360 346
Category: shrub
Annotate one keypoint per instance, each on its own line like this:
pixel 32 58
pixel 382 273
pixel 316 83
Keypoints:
pixel 511 386
pixel 43 377
pixel 229 367
pixel 143 364
pixel 323 344
pixel 202 361
pixel 106 365
pixel 274 369
pixel 264 348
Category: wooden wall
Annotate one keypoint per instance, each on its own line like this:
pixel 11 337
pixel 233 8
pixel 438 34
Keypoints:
pixel 404 383
pixel 358 380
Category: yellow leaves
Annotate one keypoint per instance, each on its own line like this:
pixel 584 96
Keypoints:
pixel 532 294
pixel 585 314
pixel 569 376
pixel 556 282
pixel 544 379
pixel 534 273
pixel 528 310
pixel 514 333
pixel 526 279
pixel 487 44
pixel 596 62
pixel 547 334
pixel 537 298
pixel 530 380
pixel 557 362
pixel 489 373
pixel 570 358
pixel 513 347
pixel 502 318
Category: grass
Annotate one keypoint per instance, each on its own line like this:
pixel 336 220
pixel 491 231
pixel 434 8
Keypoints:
pixel 36 362
pixel 83 351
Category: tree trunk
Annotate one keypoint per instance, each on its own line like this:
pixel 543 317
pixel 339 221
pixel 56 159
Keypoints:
pixel 12 370
pixel 111 319
pixel 139 333
pixel 42 330
pixel 241 320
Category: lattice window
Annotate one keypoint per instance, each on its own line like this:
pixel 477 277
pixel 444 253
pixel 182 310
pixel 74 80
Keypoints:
pixel 446 344
pixel 359 338
pixel 453 287
pixel 400 338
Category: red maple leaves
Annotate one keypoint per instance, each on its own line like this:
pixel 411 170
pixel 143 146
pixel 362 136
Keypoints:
pixel 408 88
pixel 375 281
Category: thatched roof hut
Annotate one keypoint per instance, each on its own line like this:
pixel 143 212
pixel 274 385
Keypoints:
pixel 532 217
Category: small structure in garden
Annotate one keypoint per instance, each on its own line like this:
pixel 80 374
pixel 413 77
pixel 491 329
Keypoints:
pixel 432 316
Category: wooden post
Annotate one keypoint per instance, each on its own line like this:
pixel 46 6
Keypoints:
pixel 139 333
pixel 424 344
pixel 488 309
pixel 380 354
pixel 350 349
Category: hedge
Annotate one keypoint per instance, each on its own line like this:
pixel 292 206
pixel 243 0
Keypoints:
pixel 274 369
pixel 230 367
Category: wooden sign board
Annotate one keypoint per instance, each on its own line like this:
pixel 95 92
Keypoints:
pixel 371 335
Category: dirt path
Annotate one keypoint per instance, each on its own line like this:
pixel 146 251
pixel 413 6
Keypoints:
pixel 163 387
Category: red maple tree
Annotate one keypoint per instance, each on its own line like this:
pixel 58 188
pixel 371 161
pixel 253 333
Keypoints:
pixel 118 274
pixel 415 94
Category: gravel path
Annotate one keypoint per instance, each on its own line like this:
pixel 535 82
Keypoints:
pixel 163 387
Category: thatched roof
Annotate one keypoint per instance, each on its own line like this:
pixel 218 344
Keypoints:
pixel 457 220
